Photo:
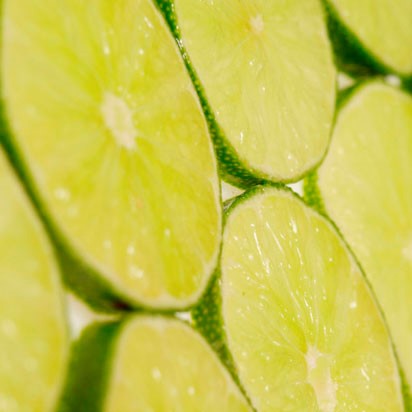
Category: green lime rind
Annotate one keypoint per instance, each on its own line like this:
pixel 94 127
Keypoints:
pixel 351 55
pixel 311 193
pixel 81 278
pixel 208 320
pixel 232 169
pixel 89 369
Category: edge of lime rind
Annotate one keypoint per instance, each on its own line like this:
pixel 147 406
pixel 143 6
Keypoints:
pixel 232 169
pixel 89 368
pixel 208 321
pixel 351 55
pixel 314 203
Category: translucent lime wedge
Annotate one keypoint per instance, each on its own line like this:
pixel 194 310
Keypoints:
pixel 366 187
pixel 106 120
pixel 376 33
pixel 304 329
pixel 265 73
pixel 33 331
pixel 148 364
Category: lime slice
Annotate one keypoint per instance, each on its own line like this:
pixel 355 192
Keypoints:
pixel 377 35
pixel 33 331
pixel 304 329
pixel 148 364
pixel 106 120
pixel 366 186
pixel 266 79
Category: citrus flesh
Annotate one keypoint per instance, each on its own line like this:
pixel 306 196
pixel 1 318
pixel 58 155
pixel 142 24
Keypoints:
pixel 100 105
pixel 301 323
pixel 368 20
pixel 162 365
pixel 33 331
pixel 267 73
pixel 366 186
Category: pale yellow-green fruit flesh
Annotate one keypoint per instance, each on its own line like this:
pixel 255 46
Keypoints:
pixel 33 333
pixel 267 72
pixel 163 365
pixel 302 325
pixel 384 27
pixel 102 108
pixel 366 184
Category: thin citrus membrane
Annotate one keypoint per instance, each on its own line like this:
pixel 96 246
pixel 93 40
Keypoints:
pixel 104 115
pixel 302 325
pixel 366 187
pixel 33 330
pixel 267 74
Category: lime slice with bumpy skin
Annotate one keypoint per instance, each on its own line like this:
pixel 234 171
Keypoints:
pixel 266 78
pixel 304 329
pixel 148 363
pixel 366 187
pixel 33 331
pixel 106 121
pixel 376 34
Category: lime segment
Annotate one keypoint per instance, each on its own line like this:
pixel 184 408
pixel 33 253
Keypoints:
pixel 366 186
pixel 301 323
pixel 105 117
pixel 33 331
pixel 267 75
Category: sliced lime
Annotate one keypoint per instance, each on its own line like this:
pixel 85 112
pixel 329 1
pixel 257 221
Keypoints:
pixel 265 74
pixel 366 187
pixel 377 34
pixel 33 331
pixel 106 120
pixel 303 327
pixel 148 364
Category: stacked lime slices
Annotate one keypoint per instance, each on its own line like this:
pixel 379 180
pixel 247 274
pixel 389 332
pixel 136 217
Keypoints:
pixel 111 137
pixel 33 330
pixel 119 117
